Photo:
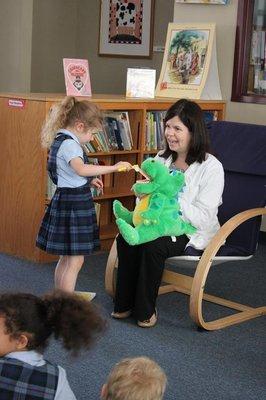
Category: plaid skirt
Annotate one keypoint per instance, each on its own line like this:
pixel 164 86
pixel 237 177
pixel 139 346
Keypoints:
pixel 69 225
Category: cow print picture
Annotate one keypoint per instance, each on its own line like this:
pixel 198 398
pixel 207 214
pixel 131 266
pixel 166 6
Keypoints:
pixel 125 21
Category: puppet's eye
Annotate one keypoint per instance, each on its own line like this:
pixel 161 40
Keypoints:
pixel 152 160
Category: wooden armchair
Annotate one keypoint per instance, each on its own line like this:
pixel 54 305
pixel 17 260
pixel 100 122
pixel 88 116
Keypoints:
pixel 242 150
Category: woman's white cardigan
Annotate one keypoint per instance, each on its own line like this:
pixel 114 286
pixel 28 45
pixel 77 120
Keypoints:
pixel 201 197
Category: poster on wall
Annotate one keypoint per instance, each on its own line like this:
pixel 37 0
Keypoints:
pixel 189 66
pixel 77 77
pixel 126 28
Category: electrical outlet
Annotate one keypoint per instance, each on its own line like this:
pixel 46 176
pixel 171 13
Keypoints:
pixel 158 49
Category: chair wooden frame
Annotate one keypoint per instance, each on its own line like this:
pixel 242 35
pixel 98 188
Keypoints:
pixel 194 286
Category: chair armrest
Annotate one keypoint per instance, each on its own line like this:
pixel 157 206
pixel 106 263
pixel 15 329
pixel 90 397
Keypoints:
pixel 205 262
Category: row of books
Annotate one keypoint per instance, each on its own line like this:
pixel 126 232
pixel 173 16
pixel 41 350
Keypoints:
pixel 116 134
pixel 257 53
pixel 154 136
pixel 257 70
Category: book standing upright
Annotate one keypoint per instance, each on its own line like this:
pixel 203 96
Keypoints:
pixel 77 77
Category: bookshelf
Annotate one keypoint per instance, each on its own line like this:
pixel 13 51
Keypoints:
pixel 249 76
pixel 23 166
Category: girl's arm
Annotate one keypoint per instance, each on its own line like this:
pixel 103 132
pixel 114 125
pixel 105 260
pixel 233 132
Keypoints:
pixel 91 170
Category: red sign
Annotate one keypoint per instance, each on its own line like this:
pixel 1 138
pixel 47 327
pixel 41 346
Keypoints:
pixel 17 103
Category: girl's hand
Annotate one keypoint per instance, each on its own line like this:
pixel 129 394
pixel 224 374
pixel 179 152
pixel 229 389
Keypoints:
pixel 97 183
pixel 123 166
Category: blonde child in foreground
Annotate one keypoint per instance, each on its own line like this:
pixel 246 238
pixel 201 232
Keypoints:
pixel 138 378
pixel 27 322
pixel 69 226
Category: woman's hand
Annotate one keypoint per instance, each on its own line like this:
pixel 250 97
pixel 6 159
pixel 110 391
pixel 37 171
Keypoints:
pixel 123 166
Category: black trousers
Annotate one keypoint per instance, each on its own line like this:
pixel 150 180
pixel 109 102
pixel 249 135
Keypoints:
pixel 139 274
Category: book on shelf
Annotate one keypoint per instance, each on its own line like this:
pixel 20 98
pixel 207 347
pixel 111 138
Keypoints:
pixel 140 82
pixel 115 135
pixel 210 115
pixel 257 68
pixel 117 130
pixel 77 77
pixel 114 131
pixel 154 130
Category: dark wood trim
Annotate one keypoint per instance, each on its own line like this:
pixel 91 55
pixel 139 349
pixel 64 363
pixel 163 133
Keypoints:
pixel 242 51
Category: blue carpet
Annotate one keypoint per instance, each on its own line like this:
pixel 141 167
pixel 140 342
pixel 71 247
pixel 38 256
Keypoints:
pixel 225 364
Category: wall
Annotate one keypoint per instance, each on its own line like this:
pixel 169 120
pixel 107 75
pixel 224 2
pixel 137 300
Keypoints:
pixel 109 73
pixel 70 28
pixel 54 36
pixel 15 45
pixel 35 35
pixel 225 18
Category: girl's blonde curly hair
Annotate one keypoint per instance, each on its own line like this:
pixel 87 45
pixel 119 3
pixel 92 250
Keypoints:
pixel 65 114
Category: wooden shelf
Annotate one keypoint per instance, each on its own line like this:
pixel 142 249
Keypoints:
pixel 108 231
pixel 112 153
pixel 150 151
pixel 109 193
pixel 24 177
pixel 112 193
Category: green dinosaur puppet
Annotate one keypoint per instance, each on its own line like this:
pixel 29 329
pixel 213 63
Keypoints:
pixel 157 213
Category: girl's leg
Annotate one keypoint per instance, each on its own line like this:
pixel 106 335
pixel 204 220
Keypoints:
pixel 59 267
pixel 127 275
pixel 152 263
pixel 66 272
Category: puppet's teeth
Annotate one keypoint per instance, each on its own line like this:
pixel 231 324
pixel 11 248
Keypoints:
pixel 143 181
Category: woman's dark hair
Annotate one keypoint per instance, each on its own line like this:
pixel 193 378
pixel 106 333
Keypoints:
pixel 191 116
pixel 74 320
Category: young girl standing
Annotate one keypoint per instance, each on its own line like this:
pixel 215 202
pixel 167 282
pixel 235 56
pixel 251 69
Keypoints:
pixel 69 226
pixel 26 324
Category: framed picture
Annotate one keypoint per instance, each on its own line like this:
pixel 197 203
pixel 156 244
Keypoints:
pixel 203 1
pixel 188 57
pixel 126 28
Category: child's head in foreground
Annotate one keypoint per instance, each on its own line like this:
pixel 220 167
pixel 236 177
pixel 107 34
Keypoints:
pixel 138 378
pixel 27 322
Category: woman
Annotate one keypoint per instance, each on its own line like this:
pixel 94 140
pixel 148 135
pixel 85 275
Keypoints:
pixel 140 268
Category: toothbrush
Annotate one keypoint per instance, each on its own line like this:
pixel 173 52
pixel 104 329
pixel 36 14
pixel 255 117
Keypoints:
pixel 137 169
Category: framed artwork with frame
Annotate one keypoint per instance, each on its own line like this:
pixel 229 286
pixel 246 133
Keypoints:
pixel 189 66
pixel 126 28
pixel 223 2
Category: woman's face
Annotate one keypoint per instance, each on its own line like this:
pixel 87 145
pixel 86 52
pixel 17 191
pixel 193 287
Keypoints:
pixel 177 136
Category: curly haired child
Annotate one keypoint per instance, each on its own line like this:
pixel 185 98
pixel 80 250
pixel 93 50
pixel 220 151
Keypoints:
pixel 26 324
pixel 136 378
pixel 69 226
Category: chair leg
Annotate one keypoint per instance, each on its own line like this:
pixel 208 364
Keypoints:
pixel 110 271
pixel 199 280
